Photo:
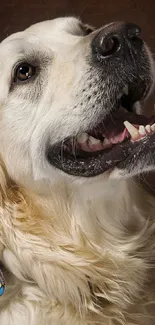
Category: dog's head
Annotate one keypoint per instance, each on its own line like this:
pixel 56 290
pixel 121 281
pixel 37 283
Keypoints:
pixel 65 92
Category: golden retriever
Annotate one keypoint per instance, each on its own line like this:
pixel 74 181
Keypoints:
pixel 77 231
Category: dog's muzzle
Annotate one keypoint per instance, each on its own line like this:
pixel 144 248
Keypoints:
pixel 121 73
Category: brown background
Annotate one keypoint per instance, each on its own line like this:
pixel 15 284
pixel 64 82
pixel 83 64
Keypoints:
pixel 16 15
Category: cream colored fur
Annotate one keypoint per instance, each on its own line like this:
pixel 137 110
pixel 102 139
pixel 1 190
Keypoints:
pixel 77 261
pixel 75 252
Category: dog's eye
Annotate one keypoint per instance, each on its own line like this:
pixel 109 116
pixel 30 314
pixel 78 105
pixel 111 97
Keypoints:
pixel 24 71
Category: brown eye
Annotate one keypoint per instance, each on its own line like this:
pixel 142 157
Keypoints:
pixel 24 72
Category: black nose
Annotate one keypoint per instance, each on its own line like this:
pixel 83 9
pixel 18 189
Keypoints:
pixel 115 38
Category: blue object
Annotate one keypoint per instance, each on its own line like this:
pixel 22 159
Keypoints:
pixel 2 283
pixel 2 289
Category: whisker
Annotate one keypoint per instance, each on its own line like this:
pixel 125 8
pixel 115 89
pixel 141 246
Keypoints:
pixel 73 141
pixel 62 149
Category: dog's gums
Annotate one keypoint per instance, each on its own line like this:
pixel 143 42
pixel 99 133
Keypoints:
pixel 88 143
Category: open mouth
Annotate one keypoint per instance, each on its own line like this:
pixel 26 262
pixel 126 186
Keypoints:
pixel 106 144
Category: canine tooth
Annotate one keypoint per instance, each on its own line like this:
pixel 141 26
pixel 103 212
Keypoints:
pixel 148 128
pixel 93 140
pixel 142 130
pixel 153 127
pixel 125 90
pixel 82 138
pixel 131 129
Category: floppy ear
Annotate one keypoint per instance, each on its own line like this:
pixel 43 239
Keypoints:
pixel 86 28
pixel 89 29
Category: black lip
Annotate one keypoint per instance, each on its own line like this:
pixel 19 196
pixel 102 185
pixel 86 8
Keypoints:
pixel 125 156
pixel 91 166
pixel 142 157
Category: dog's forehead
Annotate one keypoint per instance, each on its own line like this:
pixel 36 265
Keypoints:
pixel 51 32
pixel 56 26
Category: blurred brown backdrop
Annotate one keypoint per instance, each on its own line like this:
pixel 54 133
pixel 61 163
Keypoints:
pixel 18 14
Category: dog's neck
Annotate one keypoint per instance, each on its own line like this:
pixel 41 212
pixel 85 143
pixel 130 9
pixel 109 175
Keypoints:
pixel 91 229
pixel 118 207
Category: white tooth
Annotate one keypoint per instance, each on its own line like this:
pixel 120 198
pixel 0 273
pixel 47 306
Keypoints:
pixel 106 141
pixel 142 130
pixel 125 90
pixel 131 129
pixel 148 128
pixel 93 140
pixel 153 127
pixel 82 138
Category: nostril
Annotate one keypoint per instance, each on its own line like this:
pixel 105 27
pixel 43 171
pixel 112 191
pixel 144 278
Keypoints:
pixel 109 45
pixel 116 39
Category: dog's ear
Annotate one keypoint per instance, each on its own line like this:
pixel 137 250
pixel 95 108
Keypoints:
pixel 89 29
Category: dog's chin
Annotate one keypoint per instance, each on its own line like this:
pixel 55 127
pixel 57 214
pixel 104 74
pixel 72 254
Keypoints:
pixel 142 159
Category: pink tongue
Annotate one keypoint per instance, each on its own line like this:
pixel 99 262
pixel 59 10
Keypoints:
pixel 119 137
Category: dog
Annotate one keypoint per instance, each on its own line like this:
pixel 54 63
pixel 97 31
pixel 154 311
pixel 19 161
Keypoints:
pixel 77 229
